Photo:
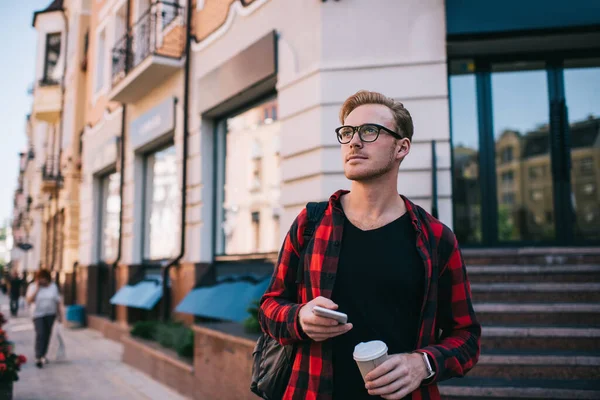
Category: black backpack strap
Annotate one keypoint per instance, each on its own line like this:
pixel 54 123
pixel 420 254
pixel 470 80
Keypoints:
pixel 315 211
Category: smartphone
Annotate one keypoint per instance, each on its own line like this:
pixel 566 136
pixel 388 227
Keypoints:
pixel 327 313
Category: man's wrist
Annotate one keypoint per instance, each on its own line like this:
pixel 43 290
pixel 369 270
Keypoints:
pixel 428 366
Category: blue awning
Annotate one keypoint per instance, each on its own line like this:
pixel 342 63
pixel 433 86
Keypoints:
pixel 225 301
pixel 144 294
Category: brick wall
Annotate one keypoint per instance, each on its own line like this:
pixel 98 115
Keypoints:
pixel 122 279
pixel 82 286
pixel 222 361
pixel 173 43
pixel 183 279
pixel 165 368
pixel 212 16
pixel 111 330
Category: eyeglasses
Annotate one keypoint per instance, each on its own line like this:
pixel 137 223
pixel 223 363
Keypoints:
pixel 367 133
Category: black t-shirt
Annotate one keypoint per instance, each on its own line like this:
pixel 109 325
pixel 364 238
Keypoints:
pixel 380 285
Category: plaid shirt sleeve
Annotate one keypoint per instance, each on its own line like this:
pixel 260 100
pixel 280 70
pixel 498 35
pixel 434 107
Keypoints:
pixel 458 348
pixel 279 308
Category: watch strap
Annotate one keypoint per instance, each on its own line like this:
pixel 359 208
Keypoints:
pixel 430 371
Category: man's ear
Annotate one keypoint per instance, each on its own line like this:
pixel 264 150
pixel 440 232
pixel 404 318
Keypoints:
pixel 403 148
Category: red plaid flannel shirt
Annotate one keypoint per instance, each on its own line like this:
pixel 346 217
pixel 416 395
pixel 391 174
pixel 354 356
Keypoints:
pixel 449 332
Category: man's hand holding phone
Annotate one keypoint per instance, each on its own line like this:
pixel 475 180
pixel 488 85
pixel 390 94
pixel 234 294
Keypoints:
pixel 320 328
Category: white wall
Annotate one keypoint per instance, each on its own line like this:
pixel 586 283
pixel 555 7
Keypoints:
pixel 99 154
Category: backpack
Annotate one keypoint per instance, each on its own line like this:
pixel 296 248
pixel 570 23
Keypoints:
pixel 272 362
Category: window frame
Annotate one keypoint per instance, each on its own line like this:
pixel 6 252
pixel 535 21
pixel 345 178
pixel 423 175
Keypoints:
pixel 46 78
pixel 101 216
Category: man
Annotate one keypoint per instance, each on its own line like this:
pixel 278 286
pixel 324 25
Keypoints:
pixel 396 271
pixel 16 284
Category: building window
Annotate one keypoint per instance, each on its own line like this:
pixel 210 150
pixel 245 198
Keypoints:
pixel 537 172
pixel 161 205
pixel 587 166
pixel 506 154
pixel 589 188
pixel 248 182
pixel 100 61
pixel 109 221
pixel 508 177
pixel 508 199
pixel 51 68
pixel 537 195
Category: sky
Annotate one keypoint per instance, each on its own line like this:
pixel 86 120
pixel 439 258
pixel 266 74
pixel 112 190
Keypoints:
pixel 18 43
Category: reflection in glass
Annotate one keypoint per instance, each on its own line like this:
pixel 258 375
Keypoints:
pixel 582 92
pixel 525 190
pixel 162 205
pixel 465 142
pixel 109 216
pixel 250 175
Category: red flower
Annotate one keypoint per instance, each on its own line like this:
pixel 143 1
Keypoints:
pixel 22 359
pixel 2 367
pixel 2 357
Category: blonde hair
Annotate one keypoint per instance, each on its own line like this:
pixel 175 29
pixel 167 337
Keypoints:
pixel 402 117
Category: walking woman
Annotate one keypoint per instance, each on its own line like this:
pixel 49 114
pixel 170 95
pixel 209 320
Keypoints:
pixel 44 296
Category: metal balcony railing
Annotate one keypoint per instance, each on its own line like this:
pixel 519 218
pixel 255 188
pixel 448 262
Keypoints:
pixel 50 170
pixel 154 33
pixel 48 81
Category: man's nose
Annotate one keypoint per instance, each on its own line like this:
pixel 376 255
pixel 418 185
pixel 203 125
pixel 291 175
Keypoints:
pixel 356 142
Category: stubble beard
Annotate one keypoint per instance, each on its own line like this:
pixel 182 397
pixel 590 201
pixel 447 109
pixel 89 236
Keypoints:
pixel 370 175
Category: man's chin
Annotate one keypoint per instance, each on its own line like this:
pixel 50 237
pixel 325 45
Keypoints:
pixel 358 176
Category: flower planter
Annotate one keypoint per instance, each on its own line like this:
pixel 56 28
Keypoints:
pixel 10 363
pixel 6 390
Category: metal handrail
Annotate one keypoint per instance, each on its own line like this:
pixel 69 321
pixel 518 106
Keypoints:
pixel 434 189
pixel 143 38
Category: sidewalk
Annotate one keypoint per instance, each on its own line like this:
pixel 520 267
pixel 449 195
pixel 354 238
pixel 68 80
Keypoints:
pixel 93 369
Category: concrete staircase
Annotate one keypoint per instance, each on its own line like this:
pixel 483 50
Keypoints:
pixel 540 316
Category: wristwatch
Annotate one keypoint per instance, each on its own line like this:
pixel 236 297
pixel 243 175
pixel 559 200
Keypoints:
pixel 430 371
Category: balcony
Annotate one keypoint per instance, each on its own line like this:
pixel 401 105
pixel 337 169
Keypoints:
pixel 149 52
pixel 47 100
pixel 51 178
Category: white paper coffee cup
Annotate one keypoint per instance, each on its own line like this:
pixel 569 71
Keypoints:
pixel 370 355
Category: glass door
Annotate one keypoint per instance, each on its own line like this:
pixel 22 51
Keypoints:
pixel 524 184
pixel 526 151
pixel 582 94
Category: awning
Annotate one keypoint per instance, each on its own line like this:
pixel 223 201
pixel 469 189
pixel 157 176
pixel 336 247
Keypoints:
pixel 144 294
pixel 228 300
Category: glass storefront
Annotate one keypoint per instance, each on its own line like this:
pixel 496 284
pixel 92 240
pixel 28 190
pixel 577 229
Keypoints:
pixel 161 205
pixel 110 207
pixel 525 137
pixel 248 170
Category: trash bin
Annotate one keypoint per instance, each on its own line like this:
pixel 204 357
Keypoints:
pixel 75 316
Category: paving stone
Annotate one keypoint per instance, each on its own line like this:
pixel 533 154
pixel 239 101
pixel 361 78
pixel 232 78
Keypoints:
pixel 92 370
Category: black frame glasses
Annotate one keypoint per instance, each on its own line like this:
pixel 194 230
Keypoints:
pixel 367 132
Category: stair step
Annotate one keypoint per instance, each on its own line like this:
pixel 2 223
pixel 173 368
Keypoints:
pixel 537 366
pixel 532 255
pixel 536 292
pixel 540 338
pixel 533 273
pixel 469 388
pixel 578 314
